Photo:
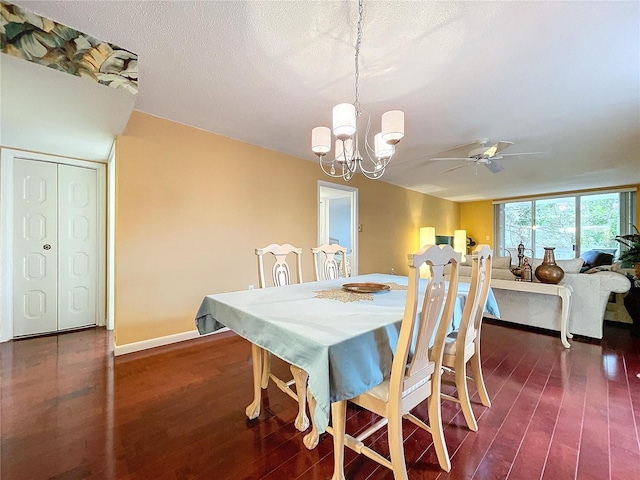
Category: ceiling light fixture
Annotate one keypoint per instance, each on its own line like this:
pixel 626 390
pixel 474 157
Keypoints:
pixel 345 129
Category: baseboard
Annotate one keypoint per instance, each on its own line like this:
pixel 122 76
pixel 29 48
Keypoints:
pixel 157 342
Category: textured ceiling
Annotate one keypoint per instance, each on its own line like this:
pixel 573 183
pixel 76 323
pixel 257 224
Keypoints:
pixel 558 77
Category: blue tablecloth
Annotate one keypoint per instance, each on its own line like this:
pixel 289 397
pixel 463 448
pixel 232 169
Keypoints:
pixel 346 348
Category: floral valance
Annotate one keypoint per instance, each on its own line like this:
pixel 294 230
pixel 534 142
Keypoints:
pixel 25 35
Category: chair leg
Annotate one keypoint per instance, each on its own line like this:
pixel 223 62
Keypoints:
pixel 463 396
pixel 396 447
pixel 300 377
pixel 437 431
pixel 478 378
pixel 338 420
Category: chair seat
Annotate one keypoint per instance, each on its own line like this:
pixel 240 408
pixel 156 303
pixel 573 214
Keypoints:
pixel 450 341
pixel 381 391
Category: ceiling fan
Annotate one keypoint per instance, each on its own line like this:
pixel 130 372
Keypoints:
pixel 485 155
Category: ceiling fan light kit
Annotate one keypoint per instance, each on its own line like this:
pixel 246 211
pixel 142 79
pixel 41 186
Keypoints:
pixel 348 158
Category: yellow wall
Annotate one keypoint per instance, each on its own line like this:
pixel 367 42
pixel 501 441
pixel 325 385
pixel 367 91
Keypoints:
pixel 192 206
pixel 477 219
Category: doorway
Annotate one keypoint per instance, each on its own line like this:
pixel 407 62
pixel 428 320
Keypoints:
pixel 53 244
pixel 338 220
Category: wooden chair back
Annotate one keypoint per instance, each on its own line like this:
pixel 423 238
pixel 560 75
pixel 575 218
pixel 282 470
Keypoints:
pixel 470 323
pixel 463 345
pixel 330 269
pixel 280 273
pixel 413 365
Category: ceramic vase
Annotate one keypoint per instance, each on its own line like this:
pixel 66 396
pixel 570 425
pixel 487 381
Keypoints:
pixel 548 271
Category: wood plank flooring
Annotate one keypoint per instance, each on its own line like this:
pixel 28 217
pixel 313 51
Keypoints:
pixel 69 410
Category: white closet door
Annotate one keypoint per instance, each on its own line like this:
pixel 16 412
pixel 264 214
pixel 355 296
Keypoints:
pixel 35 247
pixel 78 246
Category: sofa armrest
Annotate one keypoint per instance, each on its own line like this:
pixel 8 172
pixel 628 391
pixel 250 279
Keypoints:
pixel 611 281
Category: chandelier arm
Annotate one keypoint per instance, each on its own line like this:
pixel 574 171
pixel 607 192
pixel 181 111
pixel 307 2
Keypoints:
pixel 379 165
pixel 377 170
pixel 328 172
pixel 350 156
pixel 372 174
pixel 371 151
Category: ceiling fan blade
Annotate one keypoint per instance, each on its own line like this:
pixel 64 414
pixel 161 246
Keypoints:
pixel 458 147
pixel 459 166
pixel 523 153
pixel 501 145
pixel 428 157
pixel 447 158
pixel 494 167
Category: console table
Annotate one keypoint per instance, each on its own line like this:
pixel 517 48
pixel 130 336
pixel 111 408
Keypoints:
pixel 562 291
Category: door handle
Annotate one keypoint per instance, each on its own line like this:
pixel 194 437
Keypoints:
pixel 46 246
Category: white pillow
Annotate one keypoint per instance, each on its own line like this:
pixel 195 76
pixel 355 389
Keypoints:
pixel 501 262
pixel 573 265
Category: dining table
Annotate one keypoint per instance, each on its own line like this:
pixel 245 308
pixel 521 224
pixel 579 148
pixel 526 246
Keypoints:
pixel 343 339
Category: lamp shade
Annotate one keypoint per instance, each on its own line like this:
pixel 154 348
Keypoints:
pixel 460 242
pixel 392 126
pixel 321 140
pixel 344 120
pixel 383 149
pixel 427 236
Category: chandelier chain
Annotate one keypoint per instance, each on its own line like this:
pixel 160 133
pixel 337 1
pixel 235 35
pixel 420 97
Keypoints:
pixel 349 156
pixel 357 60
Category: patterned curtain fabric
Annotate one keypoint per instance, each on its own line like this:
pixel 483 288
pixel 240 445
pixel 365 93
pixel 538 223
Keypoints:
pixel 40 40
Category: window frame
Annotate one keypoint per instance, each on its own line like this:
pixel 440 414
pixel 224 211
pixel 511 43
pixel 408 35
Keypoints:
pixel 627 214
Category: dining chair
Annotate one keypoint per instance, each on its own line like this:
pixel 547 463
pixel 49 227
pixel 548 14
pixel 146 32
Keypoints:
pixel 280 273
pixel 281 276
pixel 330 268
pixel 415 370
pixel 462 346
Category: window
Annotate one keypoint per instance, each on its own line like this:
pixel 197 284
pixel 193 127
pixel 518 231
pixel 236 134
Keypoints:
pixel 572 224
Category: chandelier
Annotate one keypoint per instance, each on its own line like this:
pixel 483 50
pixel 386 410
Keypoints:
pixel 345 128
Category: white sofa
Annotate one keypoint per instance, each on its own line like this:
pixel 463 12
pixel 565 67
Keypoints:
pixel 588 302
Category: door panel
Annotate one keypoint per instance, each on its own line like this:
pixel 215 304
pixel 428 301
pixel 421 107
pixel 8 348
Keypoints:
pixel 78 249
pixel 35 247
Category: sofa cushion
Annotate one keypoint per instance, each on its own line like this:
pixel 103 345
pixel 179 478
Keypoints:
pixel 572 265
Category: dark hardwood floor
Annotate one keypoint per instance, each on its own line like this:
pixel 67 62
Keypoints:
pixel 69 410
